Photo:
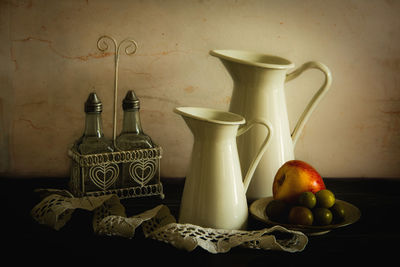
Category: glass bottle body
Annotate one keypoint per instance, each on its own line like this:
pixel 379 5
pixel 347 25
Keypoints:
pixel 132 137
pixel 93 140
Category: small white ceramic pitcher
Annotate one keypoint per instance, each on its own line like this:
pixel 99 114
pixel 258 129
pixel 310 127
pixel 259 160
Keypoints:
pixel 214 193
pixel 258 93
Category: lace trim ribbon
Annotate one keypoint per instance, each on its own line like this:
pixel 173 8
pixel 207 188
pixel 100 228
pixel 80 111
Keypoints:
pixel 109 218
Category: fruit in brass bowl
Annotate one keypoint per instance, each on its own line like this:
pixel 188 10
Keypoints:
pixel 307 199
pixel 309 209
pixel 325 198
pixel 338 212
pixel 322 216
pixel 300 197
pixel 300 215
pixel 293 178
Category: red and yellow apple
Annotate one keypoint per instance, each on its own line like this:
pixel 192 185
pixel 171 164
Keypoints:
pixel 293 178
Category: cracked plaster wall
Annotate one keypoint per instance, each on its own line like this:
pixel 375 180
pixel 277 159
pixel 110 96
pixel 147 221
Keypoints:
pixel 50 63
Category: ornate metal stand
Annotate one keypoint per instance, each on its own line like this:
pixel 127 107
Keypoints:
pixel 128 174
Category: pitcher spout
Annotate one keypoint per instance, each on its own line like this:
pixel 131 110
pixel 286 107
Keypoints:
pixel 251 70
pixel 253 59
pixel 210 115
pixel 210 124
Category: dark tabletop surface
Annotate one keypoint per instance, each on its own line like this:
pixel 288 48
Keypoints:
pixel 375 236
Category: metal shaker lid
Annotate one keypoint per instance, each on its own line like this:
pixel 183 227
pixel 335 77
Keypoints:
pixel 130 101
pixel 93 104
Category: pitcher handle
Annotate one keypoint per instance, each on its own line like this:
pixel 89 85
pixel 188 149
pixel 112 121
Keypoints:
pixel 261 151
pixel 316 98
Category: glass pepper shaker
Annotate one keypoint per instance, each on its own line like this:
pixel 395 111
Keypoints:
pixel 93 140
pixel 132 135
pixel 131 138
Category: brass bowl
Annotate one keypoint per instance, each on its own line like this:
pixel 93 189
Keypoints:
pixel 352 214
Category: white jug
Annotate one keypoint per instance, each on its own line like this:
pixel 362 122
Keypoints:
pixel 258 94
pixel 214 194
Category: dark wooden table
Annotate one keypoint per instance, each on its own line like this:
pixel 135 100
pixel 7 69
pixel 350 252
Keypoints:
pixel 375 236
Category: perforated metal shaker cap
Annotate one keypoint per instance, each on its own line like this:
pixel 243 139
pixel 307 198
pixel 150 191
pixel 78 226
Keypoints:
pixel 93 104
pixel 130 101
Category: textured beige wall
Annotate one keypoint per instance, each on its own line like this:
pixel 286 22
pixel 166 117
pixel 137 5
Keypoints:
pixel 49 63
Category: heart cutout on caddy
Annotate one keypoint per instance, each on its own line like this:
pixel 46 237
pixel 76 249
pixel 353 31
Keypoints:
pixel 142 171
pixel 105 175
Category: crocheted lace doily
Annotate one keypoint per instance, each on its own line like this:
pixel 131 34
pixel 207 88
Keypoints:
pixel 109 218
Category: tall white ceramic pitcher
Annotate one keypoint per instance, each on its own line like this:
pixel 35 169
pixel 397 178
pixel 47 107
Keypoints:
pixel 258 93
pixel 214 193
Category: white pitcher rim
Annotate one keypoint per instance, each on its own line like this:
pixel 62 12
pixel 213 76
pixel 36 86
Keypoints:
pixel 253 58
pixel 211 115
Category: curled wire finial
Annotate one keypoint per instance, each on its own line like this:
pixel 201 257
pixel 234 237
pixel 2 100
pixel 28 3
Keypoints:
pixel 131 46
pixel 102 43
